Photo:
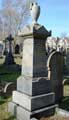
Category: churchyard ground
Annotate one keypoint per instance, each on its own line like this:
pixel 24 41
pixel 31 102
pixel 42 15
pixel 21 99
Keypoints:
pixel 4 115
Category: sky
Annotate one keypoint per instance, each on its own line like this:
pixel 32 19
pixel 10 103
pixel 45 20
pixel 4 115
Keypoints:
pixel 0 2
pixel 54 16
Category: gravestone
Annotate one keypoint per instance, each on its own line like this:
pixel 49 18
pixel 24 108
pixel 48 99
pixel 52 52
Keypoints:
pixel 1 49
pixel 9 60
pixel 8 88
pixel 55 65
pixel 67 58
pixel 33 98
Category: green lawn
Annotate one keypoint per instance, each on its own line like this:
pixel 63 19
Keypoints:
pixel 4 115
pixel 10 74
pixel 7 74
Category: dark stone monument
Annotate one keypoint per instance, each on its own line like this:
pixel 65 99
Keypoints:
pixel 17 49
pixel 9 60
pixel 55 66
pixel 67 58
pixel 1 48
pixel 33 98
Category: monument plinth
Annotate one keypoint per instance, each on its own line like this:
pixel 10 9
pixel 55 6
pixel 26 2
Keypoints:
pixel 33 97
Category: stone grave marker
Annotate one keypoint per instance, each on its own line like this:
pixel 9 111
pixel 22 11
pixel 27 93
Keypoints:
pixel 33 97
pixel 9 60
pixel 8 88
pixel 1 48
pixel 55 65
pixel 67 58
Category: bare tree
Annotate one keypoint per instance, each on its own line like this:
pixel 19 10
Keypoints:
pixel 14 15
pixel 63 35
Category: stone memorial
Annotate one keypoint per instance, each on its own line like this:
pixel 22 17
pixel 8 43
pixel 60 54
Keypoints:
pixel 55 65
pixel 17 49
pixel 9 60
pixel 1 48
pixel 33 98
pixel 67 58
pixel 8 88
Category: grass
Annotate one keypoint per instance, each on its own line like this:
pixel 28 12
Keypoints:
pixel 7 74
pixel 10 77
pixel 17 60
pixel 4 115
pixel 65 101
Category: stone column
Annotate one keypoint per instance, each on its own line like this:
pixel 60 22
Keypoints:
pixel 33 97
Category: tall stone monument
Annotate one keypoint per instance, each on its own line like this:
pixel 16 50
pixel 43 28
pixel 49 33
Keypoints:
pixel 33 97
pixel 9 60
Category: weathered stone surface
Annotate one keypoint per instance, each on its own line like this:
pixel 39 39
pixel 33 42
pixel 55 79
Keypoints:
pixel 33 86
pixel 55 73
pixel 32 103
pixel 23 114
pixel 34 52
pixel 38 31
pixel 34 58
pixel 12 108
pixel 67 58
pixel 33 97
pixel 9 87
pixel 1 49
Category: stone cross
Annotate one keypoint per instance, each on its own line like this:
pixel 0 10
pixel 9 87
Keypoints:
pixel 9 60
pixel 10 39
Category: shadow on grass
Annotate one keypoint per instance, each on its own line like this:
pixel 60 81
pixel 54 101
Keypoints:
pixel 2 100
pixel 65 103
pixel 10 118
pixel 9 73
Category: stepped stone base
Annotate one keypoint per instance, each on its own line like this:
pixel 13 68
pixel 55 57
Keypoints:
pixel 22 114
pixel 33 103
pixel 33 86
pixel 25 107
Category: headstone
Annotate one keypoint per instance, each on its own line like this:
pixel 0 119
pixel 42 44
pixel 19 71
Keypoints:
pixel 33 97
pixel 55 65
pixel 67 58
pixel 8 88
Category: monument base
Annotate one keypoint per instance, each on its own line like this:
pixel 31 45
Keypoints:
pixel 25 107
pixel 22 114
pixel 33 98
pixel 9 60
